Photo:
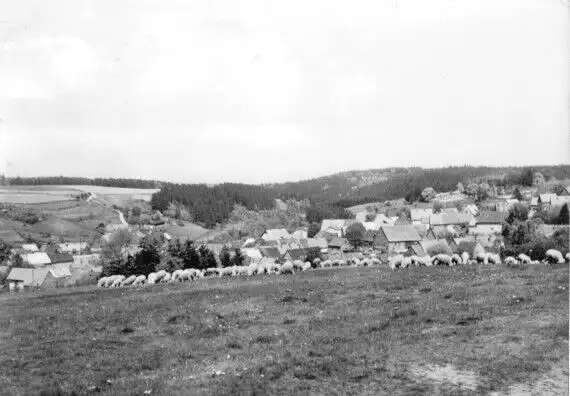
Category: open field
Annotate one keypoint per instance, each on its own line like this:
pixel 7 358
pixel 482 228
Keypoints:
pixel 116 194
pixel 462 330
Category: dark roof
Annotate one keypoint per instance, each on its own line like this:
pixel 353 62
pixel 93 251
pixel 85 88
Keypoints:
pixel 416 249
pixel 491 217
pixel 404 233
pixel 297 254
pixel 263 242
pixel 270 252
pixel 60 258
pixel 338 242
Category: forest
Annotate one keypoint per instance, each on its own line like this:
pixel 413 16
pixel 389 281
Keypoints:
pixel 98 181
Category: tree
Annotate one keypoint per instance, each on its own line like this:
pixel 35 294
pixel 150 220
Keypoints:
pixel 314 229
pixel 238 258
pixel 5 253
pixel 471 190
pixel 190 256
pixel 355 234
pixel 136 211
pixel 517 194
pixel 518 212
pixel 225 258
pixel 483 191
pixel 558 188
pixel 527 177
pixel 148 257
pixel 116 242
pixel 437 207
pixel 428 194
pixel 563 217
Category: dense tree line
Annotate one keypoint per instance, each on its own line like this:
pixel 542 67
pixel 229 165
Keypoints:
pixel 212 205
pixel 65 180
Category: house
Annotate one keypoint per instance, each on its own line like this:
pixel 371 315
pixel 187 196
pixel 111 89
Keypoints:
pixel 295 254
pixel 333 226
pixel 444 232
pixel 38 259
pixel 546 200
pixel 402 220
pixel 370 226
pixel 453 196
pixel 418 215
pixel 317 242
pixel 56 258
pixel 415 249
pixel 489 223
pixel 276 234
pixel 436 246
pixel 471 209
pixel 450 217
pixel 396 239
pixel 252 254
pixel 300 234
pixel 368 238
pixel 565 192
pixel 422 230
pixel 362 217
pixel 86 260
pixel 30 247
pixel 326 236
pixel 270 252
pixel 339 244
pixel 37 277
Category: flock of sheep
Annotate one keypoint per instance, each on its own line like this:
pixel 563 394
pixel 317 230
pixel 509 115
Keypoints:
pixel 552 256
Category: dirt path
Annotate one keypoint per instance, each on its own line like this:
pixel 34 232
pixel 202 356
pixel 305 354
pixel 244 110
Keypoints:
pixel 121 217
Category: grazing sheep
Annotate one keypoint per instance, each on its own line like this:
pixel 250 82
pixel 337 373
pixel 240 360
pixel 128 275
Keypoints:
pixel 534 262
pixel 118 280
pixel 441 259
pixel 101 281
pixel 524 259
pixel 228 271
pixel 406 262
pixel 307 266
pixel 298 265
pixel 161 274
pixel 375 261
pixel 511 261
pixel 481 258
pixel 177 276
pixel 465 257
pixel 342 263
pixel 287 268
pixel 165 278
pixel 456 260
pixel 251 269
pixel 493 259
pixel 317 262
pixel 212 272
pixel 110 280
pixel 139 280
pixel 129 281
pixel 356 262
pixel 396 261
pixel 554 256
pixel 152 278
pixel 335 263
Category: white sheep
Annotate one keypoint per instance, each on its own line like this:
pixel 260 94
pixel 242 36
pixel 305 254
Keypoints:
pixel 554 256
pixel 177 276
pixel 307 266
pixel 152 278
pixel 375 261
pixel 481 258
pixel 335 263
pixel 129 281
pixel 465 258
pixel 317 262
pixel 396 261
pixel 228 271
pixel 242 271
pixel 161 274
pixel 356 262
pixel 118 280
pixel 342 263
pixel 456 260
pixel 212 272
pixel 406 262
pixel 493 258
pixel 101 281
pixel 287 268
pixel 139 280
pixel 298 265
pixel 110 280
pixel 511 261
pixel 441 259
pixel 524 259
pixel 165 278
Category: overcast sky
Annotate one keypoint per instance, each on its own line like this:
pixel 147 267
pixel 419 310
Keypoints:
pixel 272 90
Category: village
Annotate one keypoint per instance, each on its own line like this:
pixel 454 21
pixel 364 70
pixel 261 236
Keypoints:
pixel 449 223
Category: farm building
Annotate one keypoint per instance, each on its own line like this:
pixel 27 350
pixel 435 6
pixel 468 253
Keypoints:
pixel 489 223
pixel 451 217
pixel 317 242
pixel 56 258
pixel 420 216
pixel 402 220
pixel 415 249
pixel 334 227
pixel 38 259
pixel 396 239
pixel 300 234
pixel 253 254
pixel 270 252
pixel 436 247
pixel 382 220
pixel 422 230
pixel 276 234
pixel 30 247
pixel 86 260
pixel 296 254
pixel 37 277
pixel 339 244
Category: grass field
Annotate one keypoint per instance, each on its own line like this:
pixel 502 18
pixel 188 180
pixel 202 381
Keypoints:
pixel 466 330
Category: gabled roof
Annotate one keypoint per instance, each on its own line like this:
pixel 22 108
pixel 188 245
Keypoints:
pixel 297 254
pixel 369 236
pixel 338 242
pixel 37 259
pixel 382 220
pixel 335 224
pixel 252 253
pixel 371 226
pixel 317 242
pixel 30 247
pixel 30 276
pixel 270 252
pixel 300 234
pixel 450 217
pixel 419 214
pixel 547 198
pixel 404 233
pixel 60 258
pixel 422 229
pixel 276 234
pixel 59 270
pixel 416 249
pixel 491 217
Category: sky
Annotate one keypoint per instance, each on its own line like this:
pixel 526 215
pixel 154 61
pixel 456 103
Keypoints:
pixel 261 91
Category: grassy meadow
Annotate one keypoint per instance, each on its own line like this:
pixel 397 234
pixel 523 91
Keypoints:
pixel 463 330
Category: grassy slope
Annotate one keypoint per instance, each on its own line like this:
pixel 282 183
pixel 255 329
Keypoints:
pixel 353 330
